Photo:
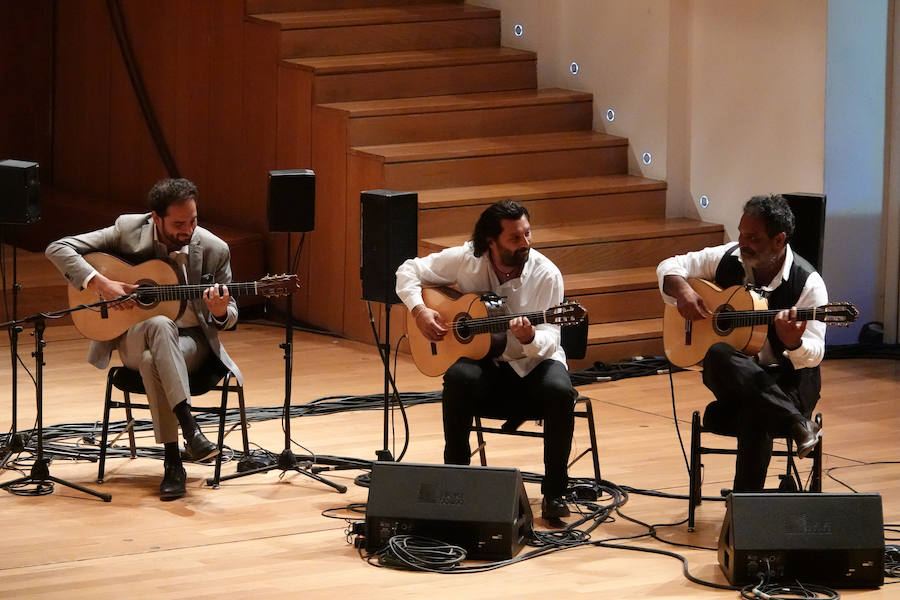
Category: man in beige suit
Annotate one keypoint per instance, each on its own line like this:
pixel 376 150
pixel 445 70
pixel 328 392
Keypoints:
pixel 162 350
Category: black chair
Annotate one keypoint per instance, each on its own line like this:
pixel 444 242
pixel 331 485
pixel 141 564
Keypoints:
pixel 212 376
pixel 574 342
pixel 718 420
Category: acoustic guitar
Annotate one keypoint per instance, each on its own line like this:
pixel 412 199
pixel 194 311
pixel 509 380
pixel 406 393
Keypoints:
pixel 741 319
pixel 160 292
pixel 478 324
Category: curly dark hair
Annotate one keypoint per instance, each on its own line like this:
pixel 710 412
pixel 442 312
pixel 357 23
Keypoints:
pixel 490 226
pixel 167 192
pixel 775 212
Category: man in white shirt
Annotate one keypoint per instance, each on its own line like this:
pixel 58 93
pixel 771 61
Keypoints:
pixel 775 392
pixel 162 350
pixel 530 377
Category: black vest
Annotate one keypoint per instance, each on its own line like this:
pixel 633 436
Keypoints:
pixel 730 272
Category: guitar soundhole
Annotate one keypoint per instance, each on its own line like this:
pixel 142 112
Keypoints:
pixel 145 300
pixel 461 330
pixel 721 324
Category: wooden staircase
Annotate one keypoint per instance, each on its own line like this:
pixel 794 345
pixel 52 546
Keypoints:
pixel 420 96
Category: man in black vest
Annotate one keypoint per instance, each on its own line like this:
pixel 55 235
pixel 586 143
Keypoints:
pixel 772 393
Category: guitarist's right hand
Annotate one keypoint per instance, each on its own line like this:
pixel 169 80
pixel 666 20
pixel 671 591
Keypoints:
pixel 107 289
pixel 690 304
pixel 430 324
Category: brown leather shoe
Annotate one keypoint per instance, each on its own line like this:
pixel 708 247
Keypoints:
pixel 806 434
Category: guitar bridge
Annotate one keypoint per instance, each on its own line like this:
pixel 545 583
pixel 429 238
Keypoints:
pixel 688 330
pixel 433 349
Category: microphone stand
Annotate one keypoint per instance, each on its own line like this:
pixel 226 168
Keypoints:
pixel 287 460
pixel 40 471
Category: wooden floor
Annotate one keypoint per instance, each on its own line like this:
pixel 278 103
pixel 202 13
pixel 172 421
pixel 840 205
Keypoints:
pixel 264 536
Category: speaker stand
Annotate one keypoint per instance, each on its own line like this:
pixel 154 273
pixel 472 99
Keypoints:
pixel 40 471
pixel 287 460
pixel 15 442
pixel 385 350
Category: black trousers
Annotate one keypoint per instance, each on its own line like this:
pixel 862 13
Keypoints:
pixel 764 403
pixel 495 390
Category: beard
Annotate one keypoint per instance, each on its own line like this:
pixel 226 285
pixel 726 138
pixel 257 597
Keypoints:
pixel 174 241
pixel 514 259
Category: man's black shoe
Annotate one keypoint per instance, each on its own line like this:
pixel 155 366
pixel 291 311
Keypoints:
pixel 806 434
pixel 172 485
pixel 554 508
pixel 200 448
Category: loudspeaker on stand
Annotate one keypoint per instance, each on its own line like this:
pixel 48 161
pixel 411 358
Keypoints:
pixel 292 200
pixel 20 192
pixel 389 224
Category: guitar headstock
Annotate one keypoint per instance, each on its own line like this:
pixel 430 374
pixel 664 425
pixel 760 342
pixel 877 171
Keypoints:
pixel 567 313
pixel 272 286
pixel 840 314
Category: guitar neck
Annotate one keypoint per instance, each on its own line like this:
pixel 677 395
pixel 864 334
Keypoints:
pixel 188 292
pixel 748 318
pixel 498 323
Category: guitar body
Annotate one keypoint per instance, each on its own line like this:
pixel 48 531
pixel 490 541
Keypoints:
pixel 686 342
pixel 434 358
pixel 93 325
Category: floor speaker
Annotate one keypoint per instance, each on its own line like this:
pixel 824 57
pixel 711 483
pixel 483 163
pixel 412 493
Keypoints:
pixel 20 192
pixel 482 509
pixel 389 225
pixel 835 540
pixel 809 226
pixel 292 200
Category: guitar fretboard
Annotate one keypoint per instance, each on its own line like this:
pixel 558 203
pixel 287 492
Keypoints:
pixel 748 318
pixel 495 324
pixel 188 292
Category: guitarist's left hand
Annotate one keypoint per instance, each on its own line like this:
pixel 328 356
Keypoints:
pixel 522 328
pixel 789 329
pixel 216 302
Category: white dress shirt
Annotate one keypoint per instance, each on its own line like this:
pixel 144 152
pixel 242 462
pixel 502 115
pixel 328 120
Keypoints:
pixel 539 287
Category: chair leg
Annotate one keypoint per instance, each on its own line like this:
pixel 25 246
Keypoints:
pixel 129 425
pixel 694 485
pixel 815 484
pixel 241 407
pixel 480 436
pixel 589 412
pixel 105 432
pixel 223 408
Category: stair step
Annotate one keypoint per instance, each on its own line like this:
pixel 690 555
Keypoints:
pixel 418 73
pixel 592 199
pixel 273 6
pixel 614 280
pixel 586 247
pixel 524 191
pixel 625 331
pixel 413 59
pixel 401 120
pixel 492 146
pixel 479 161
pixel 579 234
pixel 317 19
pixel 383 29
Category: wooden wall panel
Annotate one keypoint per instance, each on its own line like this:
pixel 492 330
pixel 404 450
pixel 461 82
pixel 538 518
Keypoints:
pixel 134 163
pixel 26 68
pixel 224 146
pixel 247 203
pixel 81 123
pixel 328 243
pixel 190 138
